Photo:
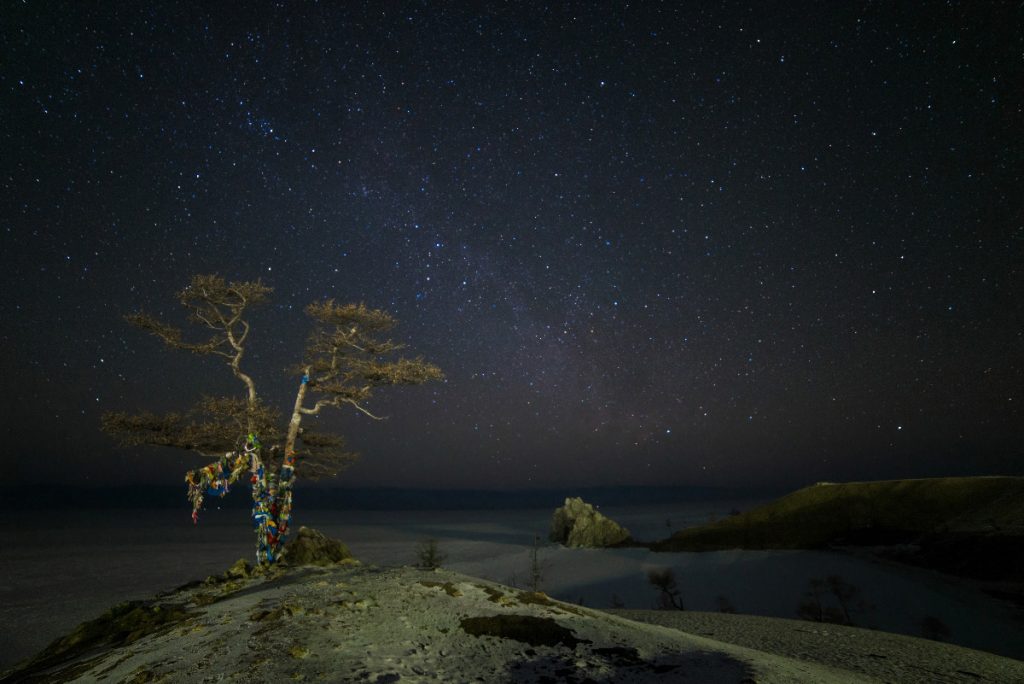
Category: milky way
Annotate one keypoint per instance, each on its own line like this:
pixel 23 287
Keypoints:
pixel 654 244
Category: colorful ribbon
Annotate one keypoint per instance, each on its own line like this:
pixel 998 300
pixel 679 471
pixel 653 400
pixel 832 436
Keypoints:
pixel 271 493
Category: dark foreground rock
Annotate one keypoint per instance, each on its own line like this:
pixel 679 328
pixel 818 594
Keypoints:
pixel 579 524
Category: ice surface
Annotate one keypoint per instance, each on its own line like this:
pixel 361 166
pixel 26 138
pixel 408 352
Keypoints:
pixel 60 568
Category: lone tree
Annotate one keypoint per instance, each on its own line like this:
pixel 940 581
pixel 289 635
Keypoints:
pixel 345 360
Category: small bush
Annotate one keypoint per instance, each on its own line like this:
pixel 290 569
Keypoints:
pixel 845 597
pixel 428 556
pixel 664 580
pixel 536 566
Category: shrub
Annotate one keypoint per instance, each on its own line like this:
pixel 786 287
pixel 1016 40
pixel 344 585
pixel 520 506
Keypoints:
pixel 428 556
pixel 664 580
pixel 846 598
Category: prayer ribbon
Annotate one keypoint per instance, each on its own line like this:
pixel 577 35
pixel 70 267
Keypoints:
pixel 271 494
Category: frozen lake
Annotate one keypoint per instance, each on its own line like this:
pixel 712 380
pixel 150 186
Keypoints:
pixel 61 568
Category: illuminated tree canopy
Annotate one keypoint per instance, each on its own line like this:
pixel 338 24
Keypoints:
pixel 346 359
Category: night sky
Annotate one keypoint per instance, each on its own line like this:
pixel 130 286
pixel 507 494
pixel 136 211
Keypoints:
pixel 649 244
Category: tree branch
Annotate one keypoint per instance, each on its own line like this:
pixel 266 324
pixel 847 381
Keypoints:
pixel 319 405
pixel 349 401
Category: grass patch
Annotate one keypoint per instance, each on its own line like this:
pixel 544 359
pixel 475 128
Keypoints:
pixel 493 595
pixel 539 598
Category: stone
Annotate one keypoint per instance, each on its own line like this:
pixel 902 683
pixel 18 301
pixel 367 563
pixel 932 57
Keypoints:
pixel 240 570
pixel 579 524
pixel 310 547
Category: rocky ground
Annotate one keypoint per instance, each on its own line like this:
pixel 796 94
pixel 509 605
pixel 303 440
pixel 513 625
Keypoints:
pixel 345 622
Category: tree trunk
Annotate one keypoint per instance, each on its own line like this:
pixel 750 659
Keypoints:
pixel 272 492
pixel 296 420
pixel 261 506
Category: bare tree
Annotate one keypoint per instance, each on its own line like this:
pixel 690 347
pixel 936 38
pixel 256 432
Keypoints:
pixel 664 580
pixel 429 555
pixel 536 566
pixel 846 596
pixel 345 360
pixel 812 606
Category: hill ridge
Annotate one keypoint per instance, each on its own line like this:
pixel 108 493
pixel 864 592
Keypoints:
pixel 968 526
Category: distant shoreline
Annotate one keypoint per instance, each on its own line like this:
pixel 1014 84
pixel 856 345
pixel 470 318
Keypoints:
pixel 63 497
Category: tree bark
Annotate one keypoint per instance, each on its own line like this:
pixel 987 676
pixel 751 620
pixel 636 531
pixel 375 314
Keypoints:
pixel 296 420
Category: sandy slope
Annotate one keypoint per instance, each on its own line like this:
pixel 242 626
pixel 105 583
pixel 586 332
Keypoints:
pixel 879 655
pixel 355 623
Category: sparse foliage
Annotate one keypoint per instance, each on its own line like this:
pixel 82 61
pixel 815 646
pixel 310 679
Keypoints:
pixel 812 605
pixel 344 362
pixel 428 555
pixel 536 571
pixel 212 426
pixel 664 580
pixel 832 599
pixel 847 596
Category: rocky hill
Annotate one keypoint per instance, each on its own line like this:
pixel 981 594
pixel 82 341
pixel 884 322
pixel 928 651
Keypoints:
pixel 344 622
pixel 971 526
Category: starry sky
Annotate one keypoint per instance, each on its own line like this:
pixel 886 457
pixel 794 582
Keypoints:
pixel 702 243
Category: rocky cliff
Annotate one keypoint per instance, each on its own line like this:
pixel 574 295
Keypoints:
pixel 579 524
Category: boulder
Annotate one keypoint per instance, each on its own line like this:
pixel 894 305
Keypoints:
pixel 579 524
pixel 240 570
pixel 310 547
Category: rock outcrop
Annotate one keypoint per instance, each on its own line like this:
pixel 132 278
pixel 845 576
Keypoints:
pixel 310 547
pixel 579 524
